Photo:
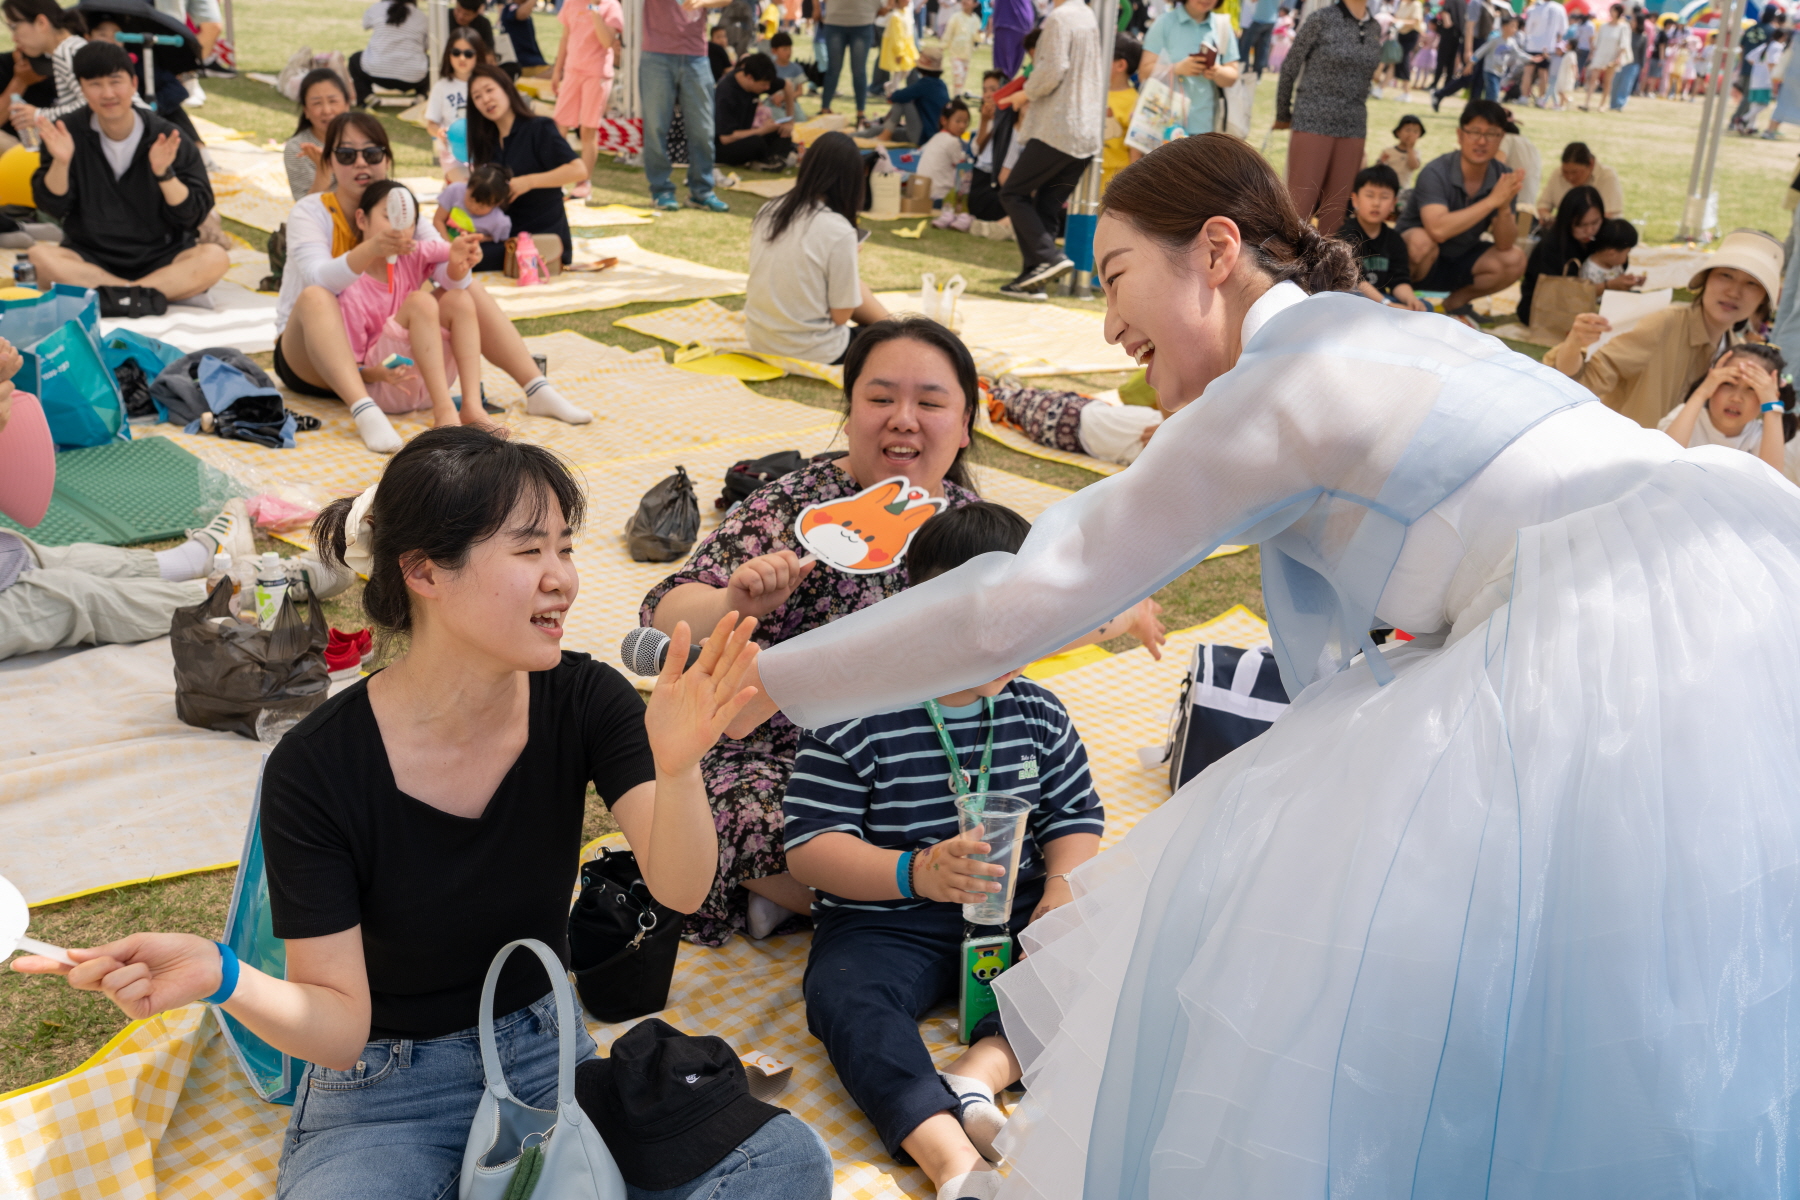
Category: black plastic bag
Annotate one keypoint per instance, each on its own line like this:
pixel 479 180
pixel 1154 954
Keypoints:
pixel 667 521
pixel 228 673
pixel 134 386
pixel 622 943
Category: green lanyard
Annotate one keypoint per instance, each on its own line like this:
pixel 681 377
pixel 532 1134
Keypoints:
pixel 959 775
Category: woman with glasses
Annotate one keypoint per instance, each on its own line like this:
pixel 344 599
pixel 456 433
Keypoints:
pixel 313 356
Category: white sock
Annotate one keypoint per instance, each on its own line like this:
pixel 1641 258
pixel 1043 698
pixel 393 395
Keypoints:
pixel 764 916
pixel 377 433
pixel 981 1118
pixel 983 1183
pixel 190 560
pixel 543 400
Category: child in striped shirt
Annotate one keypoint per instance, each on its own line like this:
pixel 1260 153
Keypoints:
pixel 867 794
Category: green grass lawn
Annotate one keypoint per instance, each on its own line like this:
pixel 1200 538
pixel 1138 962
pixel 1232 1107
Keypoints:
pixel 45 1028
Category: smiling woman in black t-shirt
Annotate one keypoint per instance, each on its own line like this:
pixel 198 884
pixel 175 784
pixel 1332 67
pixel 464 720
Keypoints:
pixel 425 817
pixel 503 130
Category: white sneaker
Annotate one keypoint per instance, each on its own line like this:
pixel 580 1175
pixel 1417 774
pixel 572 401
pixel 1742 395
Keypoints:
pixel 309 577
pixel 231 531
pixel 196 94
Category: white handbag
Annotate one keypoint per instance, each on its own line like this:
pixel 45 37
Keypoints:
pixel 560 1147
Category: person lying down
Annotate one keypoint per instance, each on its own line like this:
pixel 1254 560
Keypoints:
pixel 1070 421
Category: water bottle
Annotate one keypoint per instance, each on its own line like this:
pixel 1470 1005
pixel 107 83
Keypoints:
pixel 27 133
pixel 271 589
pixel 24 274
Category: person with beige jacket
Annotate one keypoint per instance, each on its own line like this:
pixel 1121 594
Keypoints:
pixel 1647 370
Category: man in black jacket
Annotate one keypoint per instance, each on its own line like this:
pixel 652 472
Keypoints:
pixel 130 192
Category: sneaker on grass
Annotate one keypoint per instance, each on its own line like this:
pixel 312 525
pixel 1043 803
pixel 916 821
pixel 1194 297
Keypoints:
pixel 710 203
pixel 1043 273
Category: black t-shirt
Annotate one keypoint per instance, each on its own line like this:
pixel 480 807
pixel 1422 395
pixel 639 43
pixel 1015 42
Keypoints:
pixel 733 107
pixel 437 895
pixel 1382 257
pixel 719 59
pixel 534 147
pixel 478 24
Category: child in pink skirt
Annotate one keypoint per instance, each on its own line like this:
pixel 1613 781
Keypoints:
pixel 583 73
pixel 383 320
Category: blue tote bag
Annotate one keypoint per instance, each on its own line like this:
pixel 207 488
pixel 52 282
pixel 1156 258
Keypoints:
pixel 58 335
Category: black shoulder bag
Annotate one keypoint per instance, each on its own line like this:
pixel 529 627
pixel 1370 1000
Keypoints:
pixel 622 943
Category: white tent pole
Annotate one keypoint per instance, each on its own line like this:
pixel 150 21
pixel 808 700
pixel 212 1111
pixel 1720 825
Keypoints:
pixel 1712 124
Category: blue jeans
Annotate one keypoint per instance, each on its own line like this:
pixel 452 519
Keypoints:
pixel 1490 86
pixel 1624 83
pixel 854 41
pixel 394 1127
pixel 1255 47
pixel 663 79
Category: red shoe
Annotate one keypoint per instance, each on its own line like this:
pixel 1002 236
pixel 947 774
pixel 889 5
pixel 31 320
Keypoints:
pixel 345 652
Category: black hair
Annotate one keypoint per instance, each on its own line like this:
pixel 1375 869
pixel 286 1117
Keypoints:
pixel 396 13
pixel 462 33
pixel 1490 111
pixel 1616 233
pixel 446 491
pixel 956 535
pixel 377 193
pixel 831 175
pixel 24 12
pixel 1031 39
pixel 929 333
pixel 998 76
pixel 97 60
pixel 473 6
pixel 951 109
pixel 1380 175
pixel 490 183
pixel 1130 49
pixel 367 124
pixel 780 39
pixel 1576 204
pixel 758 66
pixel 313 79
pixel 1409 119
pixel 1766 352
pixel 483 134
pixel 1578 152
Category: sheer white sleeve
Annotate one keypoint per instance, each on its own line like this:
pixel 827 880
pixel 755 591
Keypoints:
pixel 1266 445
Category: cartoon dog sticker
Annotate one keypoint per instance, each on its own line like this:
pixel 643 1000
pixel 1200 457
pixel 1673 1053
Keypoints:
pixel 868 533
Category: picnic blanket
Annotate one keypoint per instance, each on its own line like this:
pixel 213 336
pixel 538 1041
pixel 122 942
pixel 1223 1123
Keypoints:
pixel 1006 337
pixel 641 275
pixel 160 1112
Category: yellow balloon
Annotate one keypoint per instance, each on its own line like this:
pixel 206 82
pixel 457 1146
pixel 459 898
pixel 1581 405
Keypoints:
pixel 19 293
pixel 17 166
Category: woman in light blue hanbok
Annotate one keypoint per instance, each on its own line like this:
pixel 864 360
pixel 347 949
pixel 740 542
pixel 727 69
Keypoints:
pixel 1506 911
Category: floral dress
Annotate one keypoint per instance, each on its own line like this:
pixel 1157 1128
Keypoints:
pixel 747 778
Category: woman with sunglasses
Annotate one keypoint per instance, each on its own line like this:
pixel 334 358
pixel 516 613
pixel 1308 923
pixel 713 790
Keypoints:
pixel 504 130
pixel 312 351
pixel 450 96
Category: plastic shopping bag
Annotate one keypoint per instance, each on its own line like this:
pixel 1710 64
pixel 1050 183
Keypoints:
pixel 667 521
pixel 940 303
pixel 1161 113
pixel 233 676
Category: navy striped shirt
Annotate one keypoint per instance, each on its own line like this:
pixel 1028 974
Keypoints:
pixel 885 779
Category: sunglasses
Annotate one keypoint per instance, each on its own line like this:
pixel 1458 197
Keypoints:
pixel 370 154
pixel 462 54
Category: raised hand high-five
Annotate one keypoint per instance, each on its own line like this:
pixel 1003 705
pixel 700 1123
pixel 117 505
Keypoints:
pixel 56 139
pixel 162 152
pixel 690 709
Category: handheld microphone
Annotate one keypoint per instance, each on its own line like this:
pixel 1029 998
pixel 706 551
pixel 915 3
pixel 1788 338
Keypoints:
pixel 644 651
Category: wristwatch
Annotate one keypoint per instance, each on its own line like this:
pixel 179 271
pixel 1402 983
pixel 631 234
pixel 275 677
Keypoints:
pixel 166 175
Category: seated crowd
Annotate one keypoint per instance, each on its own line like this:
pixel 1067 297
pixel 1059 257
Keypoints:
pixel 389 809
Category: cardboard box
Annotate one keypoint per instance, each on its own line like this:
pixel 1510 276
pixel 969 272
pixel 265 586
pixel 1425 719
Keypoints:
pixel 915 196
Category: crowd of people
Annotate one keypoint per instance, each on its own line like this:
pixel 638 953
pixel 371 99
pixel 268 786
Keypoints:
pixel 772 780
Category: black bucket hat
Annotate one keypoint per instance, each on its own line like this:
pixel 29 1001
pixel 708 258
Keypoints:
pixel 670 1106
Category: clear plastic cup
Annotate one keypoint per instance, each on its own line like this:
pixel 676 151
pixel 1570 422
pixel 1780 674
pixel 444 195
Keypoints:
pixel 1002 819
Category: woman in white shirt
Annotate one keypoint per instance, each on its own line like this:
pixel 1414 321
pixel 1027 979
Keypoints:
pixel 804 288
pixel 1502 911
pixel 312 350
pixel 1742 403
pixel 464 49
pixel 397 56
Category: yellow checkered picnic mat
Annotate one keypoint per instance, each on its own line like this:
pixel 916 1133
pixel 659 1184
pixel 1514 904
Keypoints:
pixel 640 276
pixel 160 1111
pixel 649 418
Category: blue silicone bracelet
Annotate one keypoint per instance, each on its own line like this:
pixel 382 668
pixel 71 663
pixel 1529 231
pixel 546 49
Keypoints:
pixel 228 974
pixel 903 875
pixel 1772 406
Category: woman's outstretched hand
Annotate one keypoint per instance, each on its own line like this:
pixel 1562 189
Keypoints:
pixel 144 974
pixel 691 708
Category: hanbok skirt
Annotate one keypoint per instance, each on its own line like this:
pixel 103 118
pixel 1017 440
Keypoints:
pixel 1520 924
